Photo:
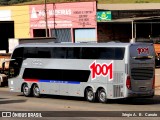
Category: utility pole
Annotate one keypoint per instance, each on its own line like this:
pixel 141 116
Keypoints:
pixel 46 21
pixel 54 19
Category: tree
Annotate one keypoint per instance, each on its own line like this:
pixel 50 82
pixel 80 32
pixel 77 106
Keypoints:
pixel 4 2
pixel 10 2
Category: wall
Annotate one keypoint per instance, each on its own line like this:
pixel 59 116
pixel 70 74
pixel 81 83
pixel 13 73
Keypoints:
pixel 20 16
pixel 64 15
pixel 112 31
pixel 60 15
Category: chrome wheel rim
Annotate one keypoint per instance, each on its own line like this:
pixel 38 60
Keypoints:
pixel 102 96
pixel 36 91
pixel 26 90
pixel 90 95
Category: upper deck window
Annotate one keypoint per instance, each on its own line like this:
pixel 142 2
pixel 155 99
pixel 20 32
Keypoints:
pixel 110 53
pixel 103 53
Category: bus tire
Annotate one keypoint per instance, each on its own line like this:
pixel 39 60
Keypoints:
pixel 26 90
pixel 90 95
pixel 102 96
pixel 36 91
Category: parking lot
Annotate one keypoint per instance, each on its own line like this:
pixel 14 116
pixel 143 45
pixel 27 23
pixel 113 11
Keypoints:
pixel 10 101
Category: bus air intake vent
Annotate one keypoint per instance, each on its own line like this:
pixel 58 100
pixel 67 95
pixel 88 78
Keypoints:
pixel 118 77
pixel 117 90
pixel 144 73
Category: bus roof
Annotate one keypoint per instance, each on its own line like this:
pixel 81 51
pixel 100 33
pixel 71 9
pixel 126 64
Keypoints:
pixel 107 44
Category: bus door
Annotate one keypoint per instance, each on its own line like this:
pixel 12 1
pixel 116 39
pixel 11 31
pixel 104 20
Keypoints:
pixel 142 67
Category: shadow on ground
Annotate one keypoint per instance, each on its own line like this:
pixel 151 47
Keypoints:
pixel 3 98
pixel 130 101
pixel 138 101
pixel 12 101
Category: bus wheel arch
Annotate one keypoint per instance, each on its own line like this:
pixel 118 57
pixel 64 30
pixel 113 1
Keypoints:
pixel 89 94
pixel 35 89
pixel 26 90
pixel 101 95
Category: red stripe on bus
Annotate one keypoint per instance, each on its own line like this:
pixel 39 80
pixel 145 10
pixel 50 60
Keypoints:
pixel 31 80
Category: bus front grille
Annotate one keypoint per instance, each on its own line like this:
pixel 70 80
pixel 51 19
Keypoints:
pixel 144 73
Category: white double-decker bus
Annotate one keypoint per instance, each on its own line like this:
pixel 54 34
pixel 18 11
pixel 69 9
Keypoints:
pixel 92 70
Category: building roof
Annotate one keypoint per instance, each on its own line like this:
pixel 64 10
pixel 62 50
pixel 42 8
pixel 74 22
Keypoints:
pixel 136 19
pixel 136 6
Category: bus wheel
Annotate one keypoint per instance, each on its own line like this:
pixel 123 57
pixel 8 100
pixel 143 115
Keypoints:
pixel 102 96
pixel 36 91
pixel 26 90
pixel 90 96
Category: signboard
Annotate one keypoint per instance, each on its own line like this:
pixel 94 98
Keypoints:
pixel 103 16
pixel 64 15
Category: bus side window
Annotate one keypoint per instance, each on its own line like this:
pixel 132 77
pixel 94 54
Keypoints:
pixel 89 53
pixel 106 53
pixel 30 52
pixel 119 53
pixel 73 53
pixel 59 52
pixel 111 53
pixel 44 52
